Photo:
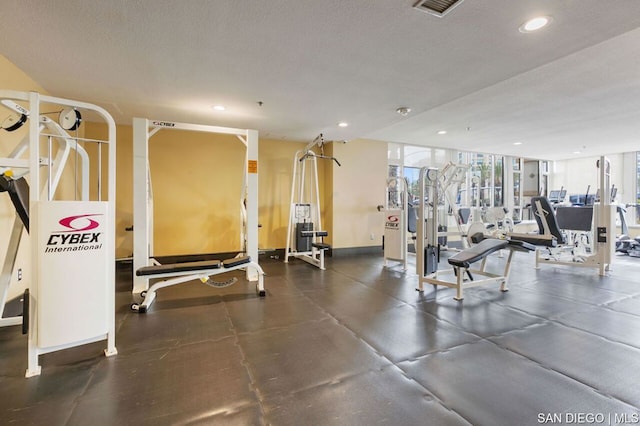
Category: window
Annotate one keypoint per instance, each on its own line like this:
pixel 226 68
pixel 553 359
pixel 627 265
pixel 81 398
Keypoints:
pixel 543 172
pixel 498 178
pixel 407 160
pixel 412 174
pixel 486 180
pixel 516 167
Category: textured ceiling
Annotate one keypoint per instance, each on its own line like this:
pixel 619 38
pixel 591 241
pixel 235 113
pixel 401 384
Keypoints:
pixel 574 86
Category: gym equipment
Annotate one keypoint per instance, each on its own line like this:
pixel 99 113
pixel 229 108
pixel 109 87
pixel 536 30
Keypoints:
pixel 303 241
pixel 451 177
pixel 625 244
pixel 12 171
pixel 16 120
pixel 428 248
pixel 18 190
pixel 71 299
pixel 400 220
pixel 143 130
pixel 557 196
pixel 585 199
pixel 489 222
pixel 587 240
pixel 628 246
pixel 189 271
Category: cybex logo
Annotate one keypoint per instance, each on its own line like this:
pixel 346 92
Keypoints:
pixel 74 223
pixel 164 124
pixel 74 237
pixel 392 222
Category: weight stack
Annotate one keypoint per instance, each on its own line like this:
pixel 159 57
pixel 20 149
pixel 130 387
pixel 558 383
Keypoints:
pixel 303 243
pixel 430 260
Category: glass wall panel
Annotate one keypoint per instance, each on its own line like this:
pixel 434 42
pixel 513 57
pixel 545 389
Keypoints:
pixel 498 179
pixel 417 156
pixel 412 174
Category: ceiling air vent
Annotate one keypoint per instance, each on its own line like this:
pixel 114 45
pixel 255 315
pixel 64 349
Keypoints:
pixel 438 8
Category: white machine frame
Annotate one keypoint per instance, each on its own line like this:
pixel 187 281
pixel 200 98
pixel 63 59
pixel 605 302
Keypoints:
pixel 53 293
pixel 452 176
pixel 427 238
pixel 604 226
pixel 203 272
pixel 143 130
pixel 455 278
pixel 20 167
pixel 396 222
pixel 311 198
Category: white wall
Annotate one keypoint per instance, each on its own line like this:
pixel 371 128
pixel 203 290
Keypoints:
pixel 576 175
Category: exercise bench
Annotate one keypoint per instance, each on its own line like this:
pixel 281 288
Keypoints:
pixel 316 256
pixel 178 273
pixel 463 274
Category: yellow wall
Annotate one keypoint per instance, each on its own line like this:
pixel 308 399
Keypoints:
pixel 124 182
pixel 12 78
pixel 197 183
pixel 275 170
pixel 358 187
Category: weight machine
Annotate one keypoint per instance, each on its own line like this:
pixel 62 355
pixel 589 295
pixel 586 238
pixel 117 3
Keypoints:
pixel 428 247
pixel 303 241
pixel 400 219
pixel 450 178
pixel 71 300
pixel 580 236
pixel 144 264
pixel 624 243
pixel 13 170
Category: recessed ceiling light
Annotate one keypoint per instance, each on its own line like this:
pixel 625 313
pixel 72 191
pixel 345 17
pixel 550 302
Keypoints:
pixel 576 152
pixel 517 143
pixel 442 132
pixel 403 111
pixel 343 124
pixel 535 24
pixel 219 107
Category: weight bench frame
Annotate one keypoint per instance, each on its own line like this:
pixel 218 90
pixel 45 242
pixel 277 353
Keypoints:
pixel 189 271
pixel 463 260
pixel 314 257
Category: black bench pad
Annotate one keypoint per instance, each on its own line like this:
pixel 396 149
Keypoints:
pixel 321 246
pixel 229 263
pixel 179 267
pixel 314 233
pixel 192 266
pixel 471 255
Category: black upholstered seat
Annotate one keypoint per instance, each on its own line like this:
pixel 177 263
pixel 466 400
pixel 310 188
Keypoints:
pixel 471 255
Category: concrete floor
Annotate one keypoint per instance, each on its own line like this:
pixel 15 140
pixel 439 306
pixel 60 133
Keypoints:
pixel 355 344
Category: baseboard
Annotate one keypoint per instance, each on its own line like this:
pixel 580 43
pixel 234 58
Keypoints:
pixel 262 253
pixel 352 251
